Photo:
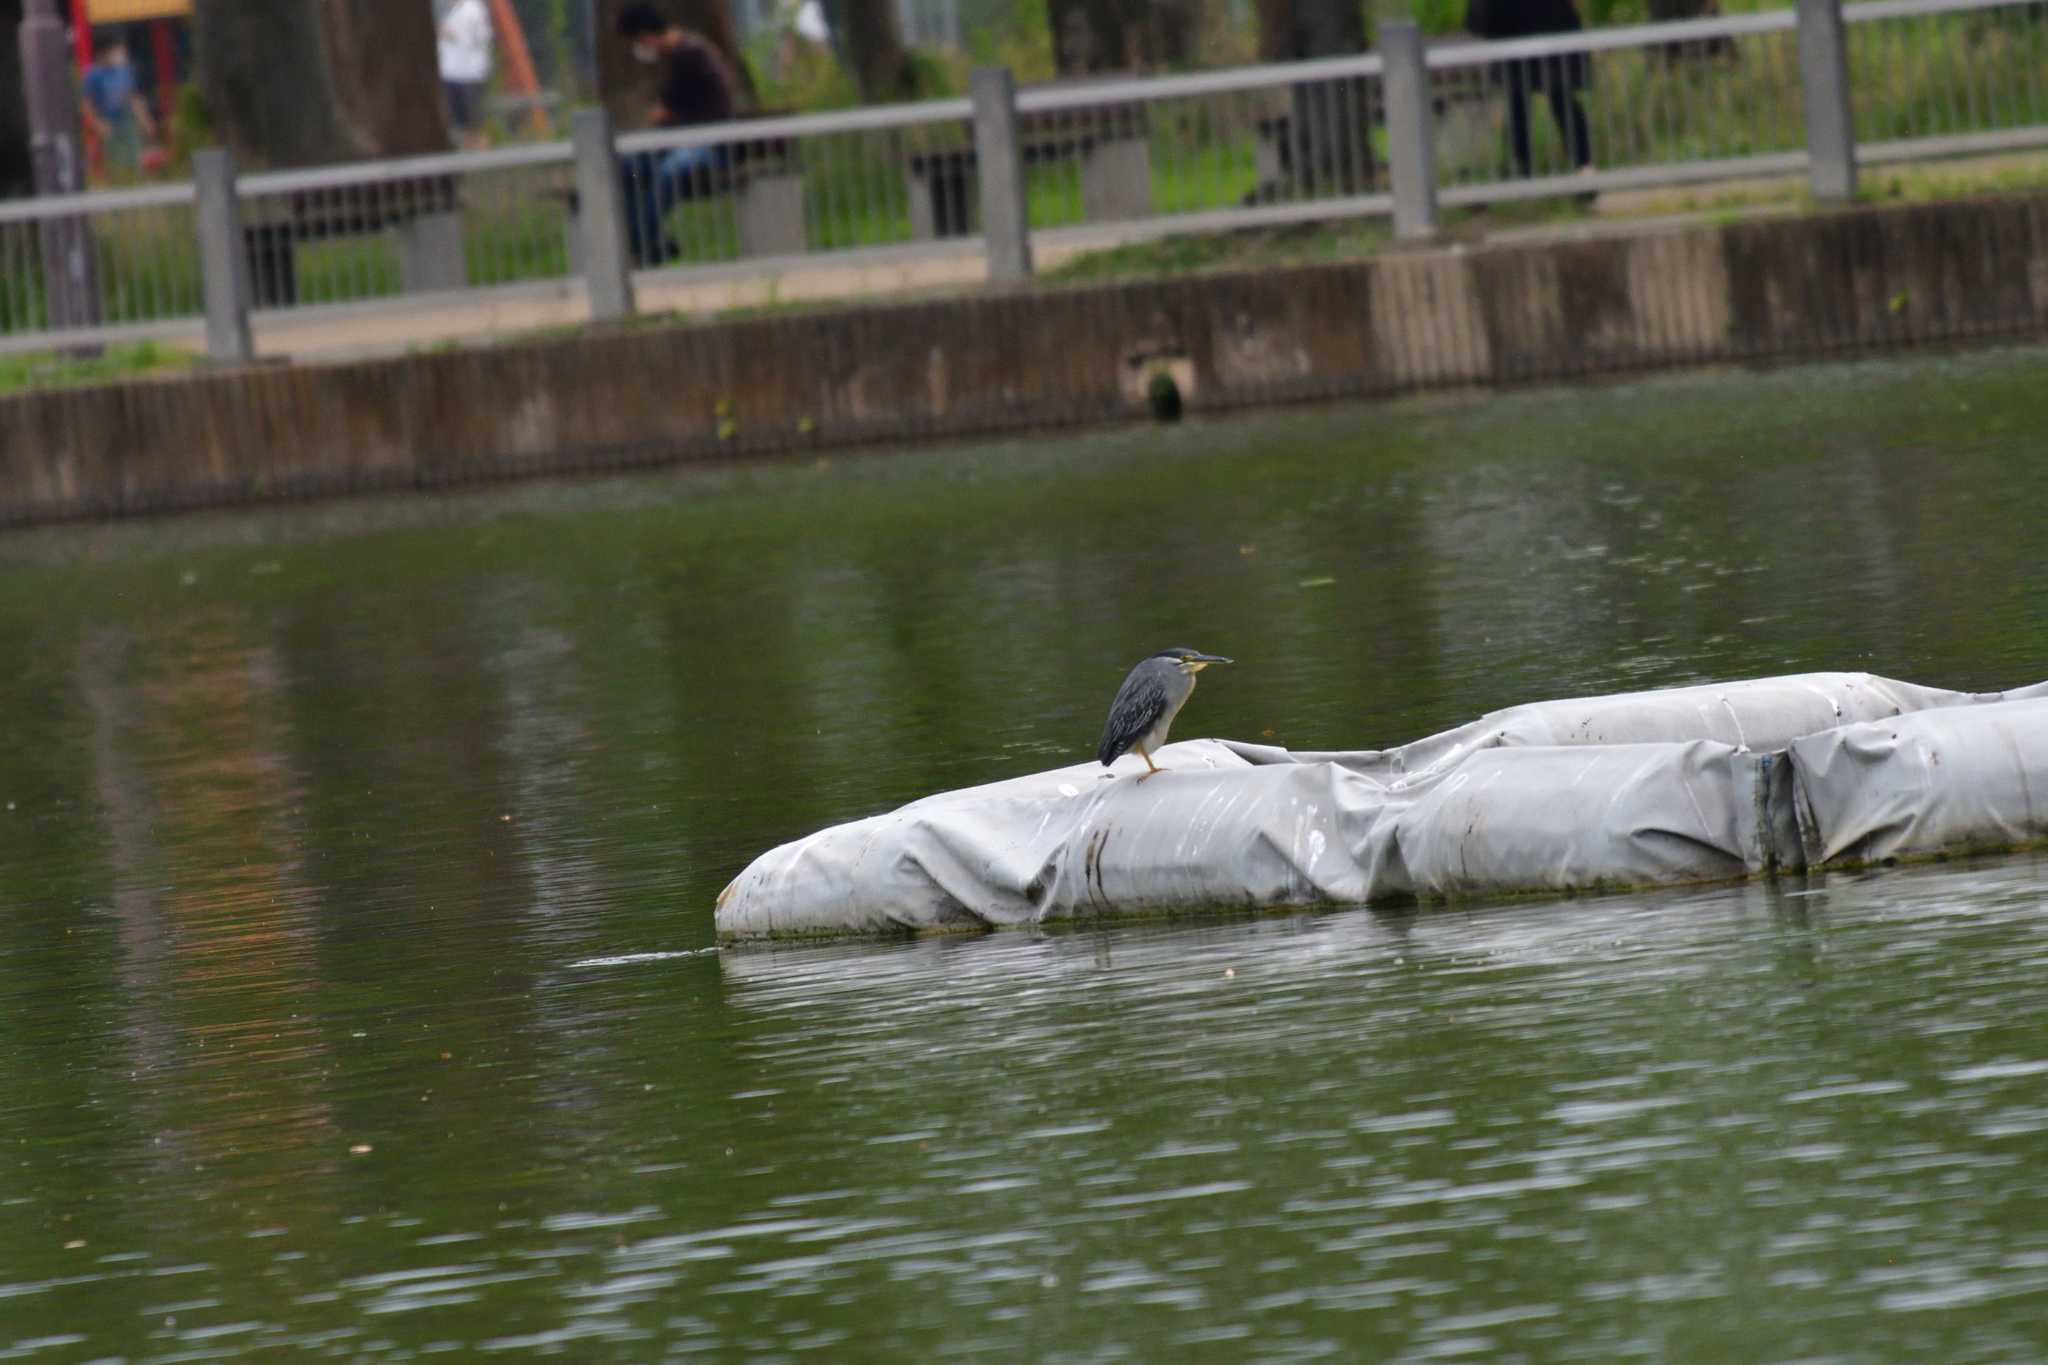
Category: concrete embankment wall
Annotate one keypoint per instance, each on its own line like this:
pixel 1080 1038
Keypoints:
pixel 1860 280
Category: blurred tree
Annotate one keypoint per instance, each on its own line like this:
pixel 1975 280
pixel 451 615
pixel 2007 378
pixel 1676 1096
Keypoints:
pixel 1292 30
pixel 627 87
pixel 870 42
pixel 16 176
pixel 1700 49
pixel 1123 35
pixel 306 82
pixel 1325 145
pixel 557 34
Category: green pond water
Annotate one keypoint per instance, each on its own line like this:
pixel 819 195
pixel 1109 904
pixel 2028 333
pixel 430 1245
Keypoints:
pixel 358 995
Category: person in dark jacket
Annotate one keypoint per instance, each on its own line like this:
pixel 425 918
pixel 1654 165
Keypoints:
pixel 698 86
pixel 1561 79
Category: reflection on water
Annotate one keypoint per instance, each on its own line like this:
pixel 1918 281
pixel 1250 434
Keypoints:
pixel 357 866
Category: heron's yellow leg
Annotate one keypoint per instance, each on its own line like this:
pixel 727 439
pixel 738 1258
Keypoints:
pixel 1155 769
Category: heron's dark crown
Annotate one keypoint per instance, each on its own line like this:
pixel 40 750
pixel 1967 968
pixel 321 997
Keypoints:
pixel 1177 652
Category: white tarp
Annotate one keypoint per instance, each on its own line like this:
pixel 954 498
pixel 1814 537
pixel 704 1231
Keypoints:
pixel 1758 713
pixel 1563 819
pixel 1683 785
pixel 1934 782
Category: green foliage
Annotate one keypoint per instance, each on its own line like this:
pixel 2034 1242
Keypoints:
pixel 191 128
pixel 528 241
pixel 1438 16
pixel 1970 72
pixel 856 193
pixel 21 286
pixel 148 266
pixel 793 75
pixel 49 369
pixel 933 76
pixel 566 78
pixel 1022 42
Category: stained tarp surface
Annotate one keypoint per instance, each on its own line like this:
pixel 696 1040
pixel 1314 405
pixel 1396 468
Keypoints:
pixel 1758 713
pixel 1682 785
pixel 1932 782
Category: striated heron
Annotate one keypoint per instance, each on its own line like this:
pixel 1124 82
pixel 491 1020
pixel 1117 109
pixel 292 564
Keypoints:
pixel 1147 703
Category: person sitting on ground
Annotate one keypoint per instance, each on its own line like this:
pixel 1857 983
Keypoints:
pixel 698 86
pixel 115 109
pixel 1559 78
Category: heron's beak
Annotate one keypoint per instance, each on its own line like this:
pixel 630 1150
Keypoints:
pixel 1197 662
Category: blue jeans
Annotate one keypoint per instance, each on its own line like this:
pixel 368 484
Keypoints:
pixel 655 183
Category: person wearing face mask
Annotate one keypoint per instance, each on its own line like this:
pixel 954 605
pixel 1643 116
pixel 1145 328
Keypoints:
pixel 115 109
pixel 698 86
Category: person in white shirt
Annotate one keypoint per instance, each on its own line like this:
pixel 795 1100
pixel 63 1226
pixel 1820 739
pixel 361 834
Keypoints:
pixel 465 51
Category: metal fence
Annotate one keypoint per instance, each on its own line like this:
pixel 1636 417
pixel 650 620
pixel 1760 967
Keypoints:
pixel 115 265
pixel 1389 135
pixel 343 234
pixel 1947 78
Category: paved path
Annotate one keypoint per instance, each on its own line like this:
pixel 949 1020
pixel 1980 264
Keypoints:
pixel 455 318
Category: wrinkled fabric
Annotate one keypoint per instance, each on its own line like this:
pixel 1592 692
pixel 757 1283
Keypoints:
pixel 1932 782
pixel 1649 788
pixel 1756 713
pixel 1569 819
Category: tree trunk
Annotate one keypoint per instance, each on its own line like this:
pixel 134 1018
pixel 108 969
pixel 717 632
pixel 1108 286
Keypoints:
pixel 1292 30
pixel 1325 146
pixel 871 43
pixel 1122 35
pixel 309 82
pixel 16 175
pixel 382 55
pixel 627 87
pixel 1276 28
pixel 1175 31
pixel 1664 11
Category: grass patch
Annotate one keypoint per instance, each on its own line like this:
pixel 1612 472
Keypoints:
pixel 1352 239
pixel 1295 244
pixel 49 369
pixel 1924 183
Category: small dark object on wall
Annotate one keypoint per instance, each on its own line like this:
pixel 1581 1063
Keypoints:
pixel 1164 396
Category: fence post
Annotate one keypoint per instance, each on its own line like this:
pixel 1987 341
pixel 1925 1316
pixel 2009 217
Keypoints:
pixel 1411 129
pixel 601 214
pixel 1005 206
pixel 57 163
pixel 223 260
pixel 1824 78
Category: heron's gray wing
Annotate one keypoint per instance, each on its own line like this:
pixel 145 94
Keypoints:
pixel 1139 704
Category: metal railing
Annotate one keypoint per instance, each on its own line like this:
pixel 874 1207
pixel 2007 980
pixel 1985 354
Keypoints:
pixel 113 265
pixel 1391 134
pixel 1947 78
pixel 340 234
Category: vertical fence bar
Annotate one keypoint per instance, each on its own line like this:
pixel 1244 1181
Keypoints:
pixel 1005 206
pixel 1824 81
pixel 601 206
pixel 223 262
pixel 1411 130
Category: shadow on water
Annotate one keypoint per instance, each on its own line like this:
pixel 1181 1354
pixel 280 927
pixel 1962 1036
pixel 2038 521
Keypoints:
pixel 358 862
